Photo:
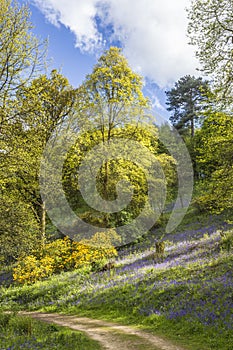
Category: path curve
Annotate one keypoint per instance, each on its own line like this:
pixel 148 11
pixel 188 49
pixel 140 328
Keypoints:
pixel 111 336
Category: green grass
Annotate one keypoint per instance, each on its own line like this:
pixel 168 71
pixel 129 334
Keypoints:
pixel 133 342
pixel 20 332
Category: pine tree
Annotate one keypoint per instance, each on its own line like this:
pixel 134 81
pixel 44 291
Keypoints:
pixel 186 102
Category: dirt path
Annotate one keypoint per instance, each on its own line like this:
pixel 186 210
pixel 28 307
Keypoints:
pixel 111 336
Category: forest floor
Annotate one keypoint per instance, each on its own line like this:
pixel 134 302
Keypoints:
pixel 111 336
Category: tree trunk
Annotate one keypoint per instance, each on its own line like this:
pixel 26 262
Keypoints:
pixel 43 224
pixel 192 126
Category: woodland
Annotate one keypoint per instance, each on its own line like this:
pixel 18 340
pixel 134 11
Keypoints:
pixel 178 283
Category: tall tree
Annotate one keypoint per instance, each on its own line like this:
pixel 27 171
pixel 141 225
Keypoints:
pixel 115 109
pixel 214 149
pixel 113 97
pixel 186 102
pixel 21 54
pixel 211 31
pixel 21 57
pixel 42 106
pixel 114 92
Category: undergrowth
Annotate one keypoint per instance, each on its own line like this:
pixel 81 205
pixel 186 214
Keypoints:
pixel 20 332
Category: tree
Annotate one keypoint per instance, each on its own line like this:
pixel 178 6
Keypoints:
pixel 113 97
pixel 214 148
pixel 116 114
pixel 21 54
pixel 211 31
pixel 186 102
pixel 45 103
pixel 113 92
pixel 21 58
pixel 42 106
pixel 19 229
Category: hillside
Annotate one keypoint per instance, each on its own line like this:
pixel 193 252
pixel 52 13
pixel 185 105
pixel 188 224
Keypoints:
pixel 186 296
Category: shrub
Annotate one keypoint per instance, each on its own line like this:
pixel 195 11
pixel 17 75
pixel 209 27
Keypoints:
pixel 64 255
pixel 104 239
pixel 160 248
pixel 60 250
pixel 30 269
pixel 226 242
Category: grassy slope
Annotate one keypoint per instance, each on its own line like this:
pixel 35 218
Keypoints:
pixel 187 297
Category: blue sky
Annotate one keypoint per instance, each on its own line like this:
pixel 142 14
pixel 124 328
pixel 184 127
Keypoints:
pixel 152 34
pixel 62 53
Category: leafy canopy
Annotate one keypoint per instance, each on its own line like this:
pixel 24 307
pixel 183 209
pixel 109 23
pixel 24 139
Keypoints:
pixel 211 31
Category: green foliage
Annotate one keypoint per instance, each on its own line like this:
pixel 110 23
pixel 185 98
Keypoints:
pixel 113 83
pixel 21 332
pixel 118 169
pixel 21 54
pixel 41 106
pixel 226 242
pixel 160 249
pixel 19 231
pixel 45 103
pixel 210 30
pixel 114 108
pixel 21 58
pixel 104 239
pixel 186 102
pixel 214 147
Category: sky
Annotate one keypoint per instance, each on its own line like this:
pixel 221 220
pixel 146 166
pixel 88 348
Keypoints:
pixel 151 33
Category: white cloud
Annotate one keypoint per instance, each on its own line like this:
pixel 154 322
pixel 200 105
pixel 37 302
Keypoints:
pixel 78 16
pixel 152 32
pixel 152 93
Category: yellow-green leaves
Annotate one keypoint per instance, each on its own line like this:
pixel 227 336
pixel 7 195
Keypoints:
pixel 21 54
pixel 114 92
pixel 214 147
